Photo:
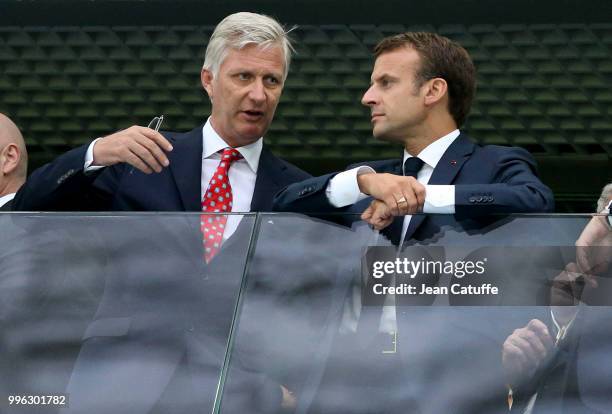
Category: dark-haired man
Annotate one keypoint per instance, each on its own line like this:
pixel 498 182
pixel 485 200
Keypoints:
pixel 421 91
pixel 422 88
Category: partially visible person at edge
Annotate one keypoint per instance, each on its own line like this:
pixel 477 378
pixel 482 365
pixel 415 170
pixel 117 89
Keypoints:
pixel 13 161
pixel 541 359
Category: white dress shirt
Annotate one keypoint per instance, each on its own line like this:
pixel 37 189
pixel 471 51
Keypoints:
pixel 343 189
pixel 242 174
pixel 6 198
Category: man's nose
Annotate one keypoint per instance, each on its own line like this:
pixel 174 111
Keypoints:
pixel 368 98
pixel 257 92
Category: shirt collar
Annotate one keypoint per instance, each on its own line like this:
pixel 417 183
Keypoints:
pixel 6 198
pixel 213 143
pixel 432 153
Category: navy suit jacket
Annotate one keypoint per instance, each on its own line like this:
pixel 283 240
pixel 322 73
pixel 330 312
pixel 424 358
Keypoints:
pixel 62 185
pixel 488 179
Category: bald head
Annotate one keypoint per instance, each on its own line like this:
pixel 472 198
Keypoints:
pixel 13 157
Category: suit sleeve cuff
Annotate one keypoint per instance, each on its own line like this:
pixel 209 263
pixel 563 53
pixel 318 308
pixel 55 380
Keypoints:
pixel 439 199
pixel 343 189
pixel 88 167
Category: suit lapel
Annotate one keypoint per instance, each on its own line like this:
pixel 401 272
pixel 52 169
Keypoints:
pixel 451 162
pixel 445 172
pixel 186 166
pixel 268 182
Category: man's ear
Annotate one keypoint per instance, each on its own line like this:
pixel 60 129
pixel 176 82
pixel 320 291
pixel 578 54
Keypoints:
pixel 9 159
pixel 206 77
pixel 437 89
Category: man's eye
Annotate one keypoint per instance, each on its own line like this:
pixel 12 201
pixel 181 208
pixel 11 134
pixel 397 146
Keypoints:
pixel 244 76
pixel 272 80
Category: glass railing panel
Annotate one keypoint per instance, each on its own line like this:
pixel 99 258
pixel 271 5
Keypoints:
pixel 328 322
pixel 121 313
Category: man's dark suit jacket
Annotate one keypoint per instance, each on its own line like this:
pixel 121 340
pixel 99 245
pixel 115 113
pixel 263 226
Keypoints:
pixel 488 179
pixel 62 185
pixel 159 336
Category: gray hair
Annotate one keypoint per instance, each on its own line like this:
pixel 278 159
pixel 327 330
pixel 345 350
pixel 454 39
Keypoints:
pixel 241 29
pixel 604 198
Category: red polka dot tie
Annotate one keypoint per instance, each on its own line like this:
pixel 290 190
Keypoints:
pixel 218 199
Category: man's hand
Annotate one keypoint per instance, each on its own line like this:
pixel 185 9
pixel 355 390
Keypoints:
pixel 593 249
pixel 525 349
pixel 377 215
pixel 288 402
pixel 141 147
pixel 402 195
pixel 568 285
pixel 566 292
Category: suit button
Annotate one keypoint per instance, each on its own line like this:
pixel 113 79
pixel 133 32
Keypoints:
pixel 472 199
pixel 305 190
pixel 190 329
pixel 65 176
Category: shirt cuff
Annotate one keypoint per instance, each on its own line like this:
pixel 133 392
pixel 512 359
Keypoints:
pixel 343 189
pixel 439 199
pixel 89 159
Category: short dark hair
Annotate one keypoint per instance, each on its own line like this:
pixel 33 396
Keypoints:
pixel 440 58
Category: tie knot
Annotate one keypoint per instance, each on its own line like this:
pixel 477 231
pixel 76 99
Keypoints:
pixel 412 166
pixel 230 155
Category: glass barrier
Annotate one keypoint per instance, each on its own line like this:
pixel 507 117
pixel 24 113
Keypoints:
pixel 130 313
pixel 465 316
pixel 116 313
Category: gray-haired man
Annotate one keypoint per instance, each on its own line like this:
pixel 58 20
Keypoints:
pixel 246 64
pixel 159 336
